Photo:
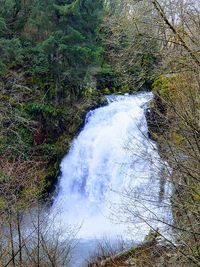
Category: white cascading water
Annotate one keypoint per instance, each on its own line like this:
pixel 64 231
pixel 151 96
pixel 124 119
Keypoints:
pixel 111 158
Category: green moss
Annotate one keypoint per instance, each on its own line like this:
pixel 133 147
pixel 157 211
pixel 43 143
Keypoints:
pixel 62 143
pixel 19 142
pixel 151 236
pixel 45 108
pixel 106 91
pixel 177 138
pixel 130 252
pixel 4 97
pixel 161 85
pixel 48 150
pixel 197 193
pixel 4 177
pixel 2 203
pixel 125 88
pixel 26 136
pixel 73 128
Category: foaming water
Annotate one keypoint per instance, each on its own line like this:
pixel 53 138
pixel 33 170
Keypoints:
pixel 111 159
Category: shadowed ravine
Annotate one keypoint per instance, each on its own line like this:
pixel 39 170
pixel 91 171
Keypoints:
pixel 112 156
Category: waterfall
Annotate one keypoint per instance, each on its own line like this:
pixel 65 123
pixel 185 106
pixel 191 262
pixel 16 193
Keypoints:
pixel 111 157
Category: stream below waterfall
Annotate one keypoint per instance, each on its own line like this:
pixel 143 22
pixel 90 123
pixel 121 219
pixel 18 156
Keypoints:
pixel 110 180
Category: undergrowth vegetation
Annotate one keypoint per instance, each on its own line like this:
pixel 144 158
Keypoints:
pixel 57 60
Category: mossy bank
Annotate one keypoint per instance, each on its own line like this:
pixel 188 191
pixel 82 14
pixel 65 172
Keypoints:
pixel 36 131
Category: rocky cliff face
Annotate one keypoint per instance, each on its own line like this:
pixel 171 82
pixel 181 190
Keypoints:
pixel 155 115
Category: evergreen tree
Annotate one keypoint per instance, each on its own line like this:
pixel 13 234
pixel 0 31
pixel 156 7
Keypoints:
pixel 52 40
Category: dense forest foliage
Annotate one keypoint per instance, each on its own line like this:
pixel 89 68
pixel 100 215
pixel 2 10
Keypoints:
pixel 58 58
pixel 56 63
pixel 50 53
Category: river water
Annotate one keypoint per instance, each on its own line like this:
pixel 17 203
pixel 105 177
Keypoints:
pixel 110 179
